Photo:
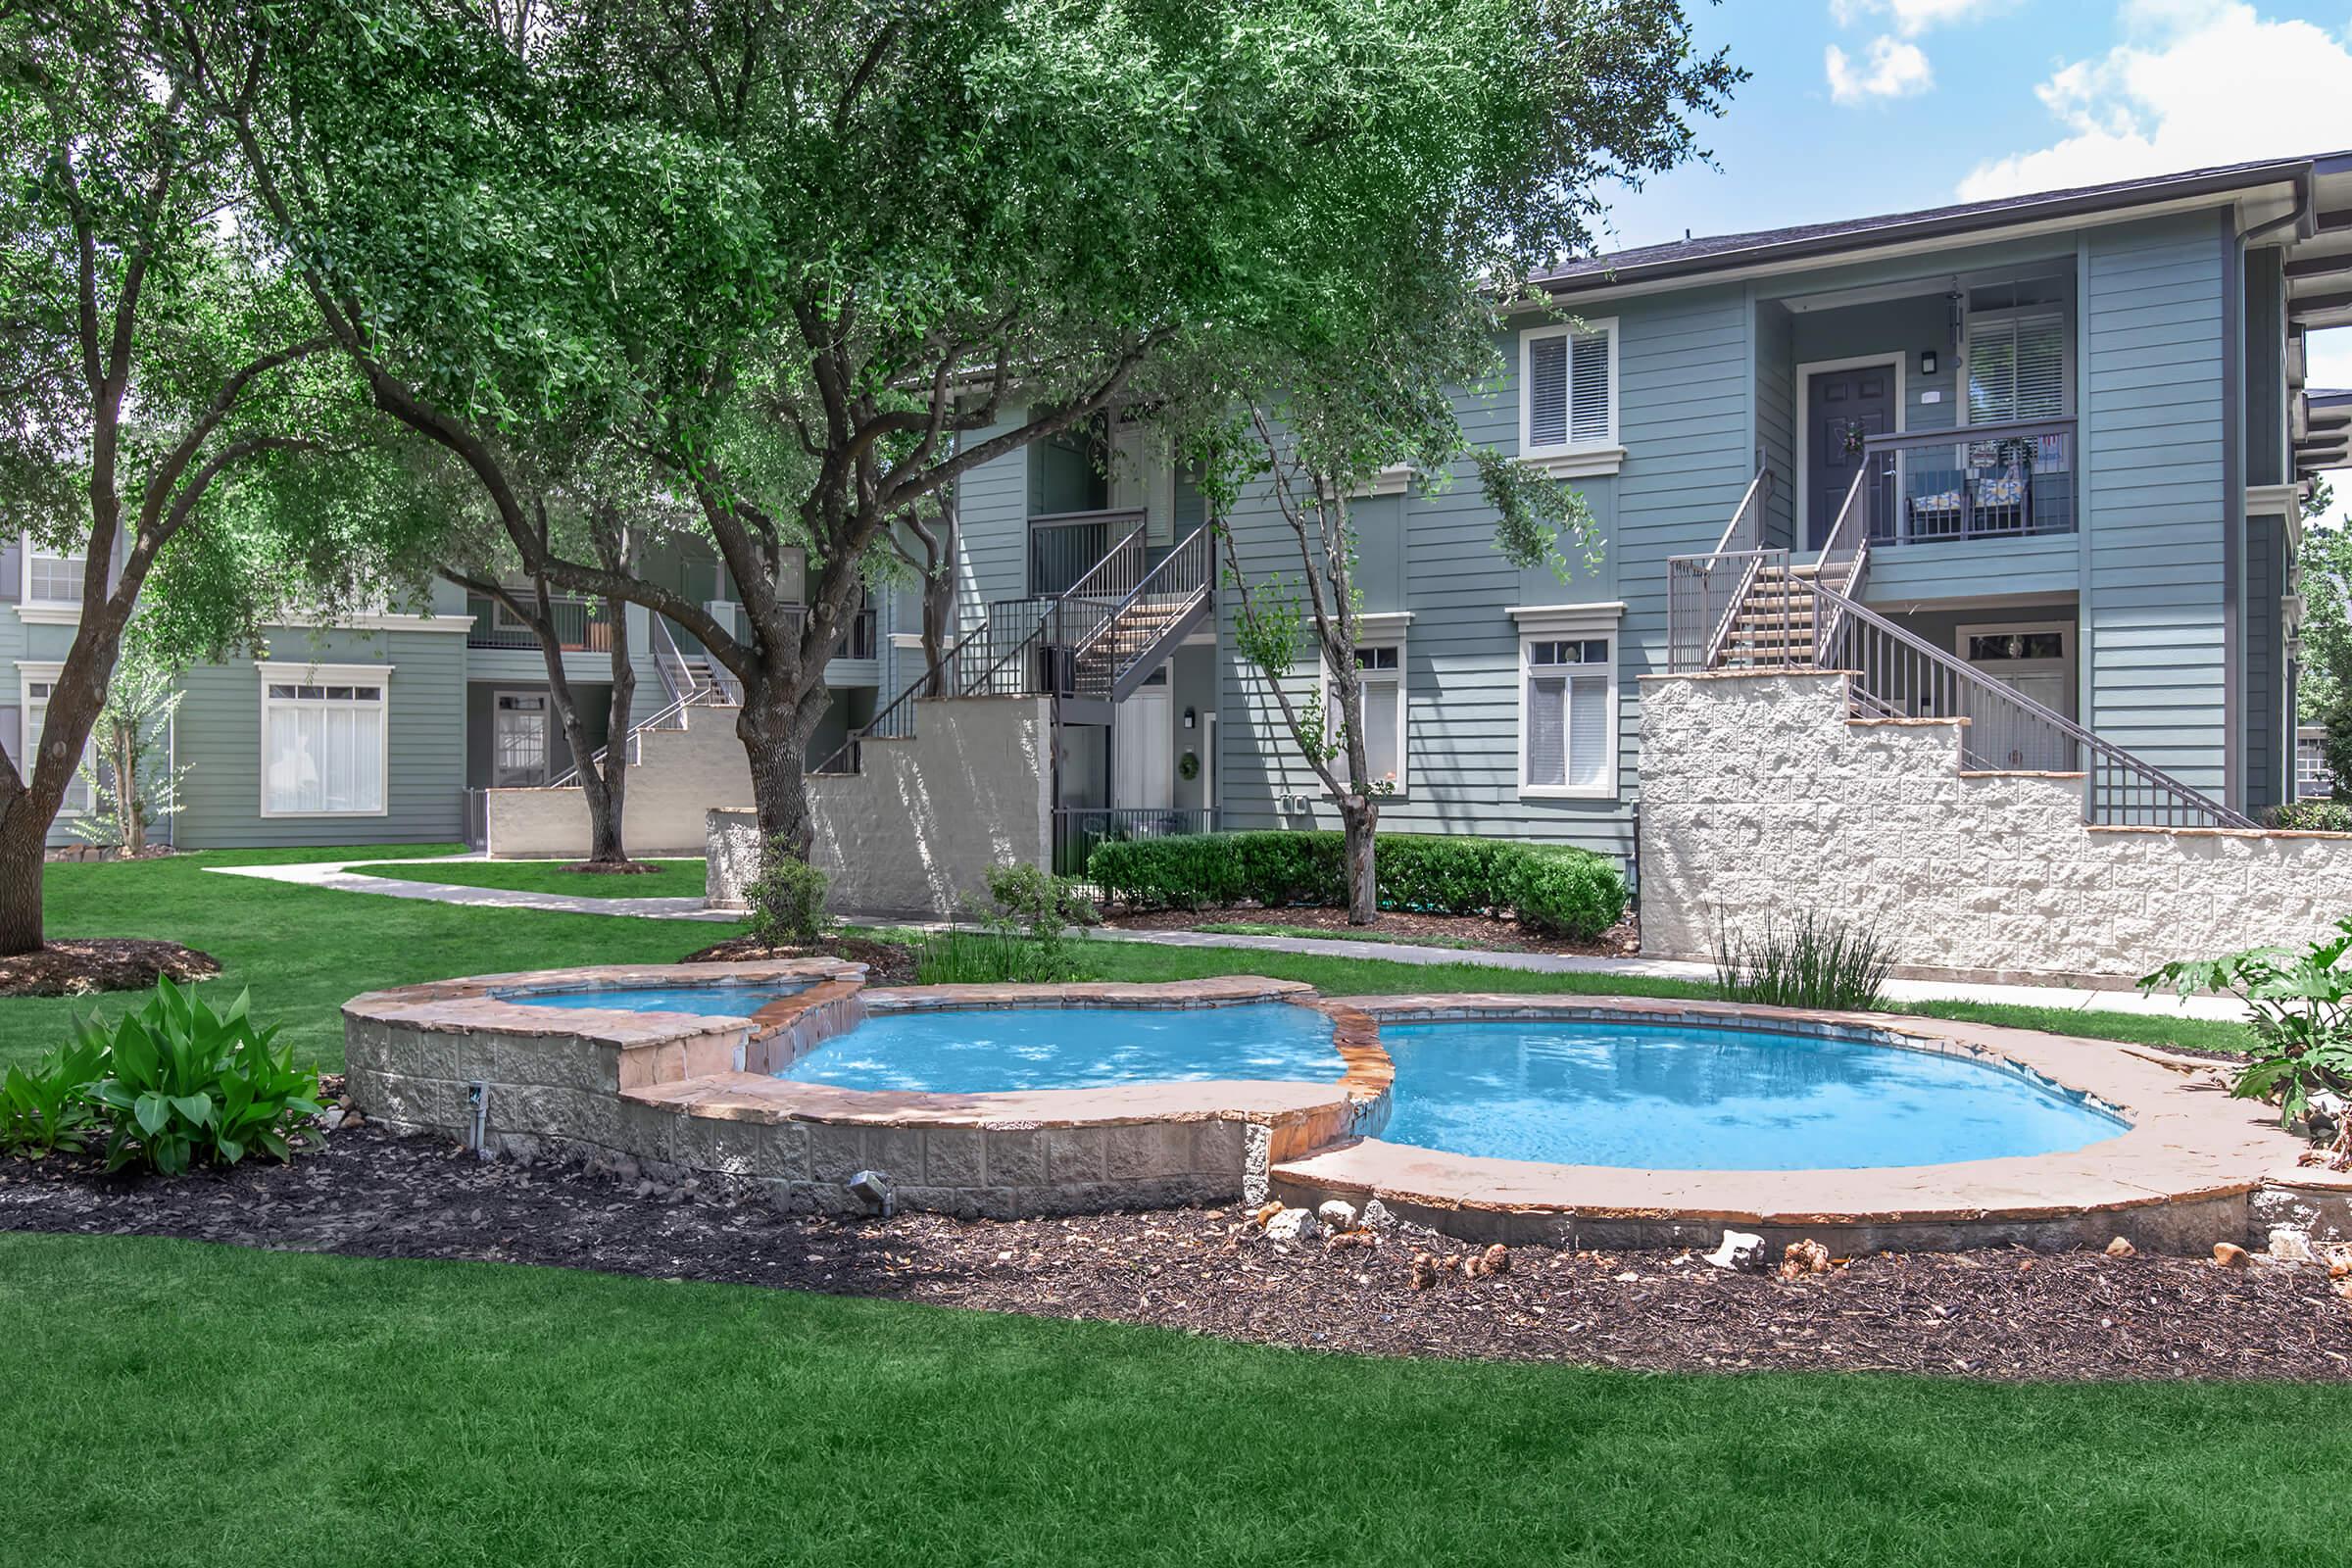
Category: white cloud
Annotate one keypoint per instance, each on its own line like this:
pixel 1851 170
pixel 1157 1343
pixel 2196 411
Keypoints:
pixel 1891 69
pixel 1914 17
pixel 2182 92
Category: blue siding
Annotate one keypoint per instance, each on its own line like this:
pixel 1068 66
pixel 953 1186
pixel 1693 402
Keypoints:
pixel 2154 505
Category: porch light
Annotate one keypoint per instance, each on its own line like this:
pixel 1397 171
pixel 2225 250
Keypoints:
pixel 1927 362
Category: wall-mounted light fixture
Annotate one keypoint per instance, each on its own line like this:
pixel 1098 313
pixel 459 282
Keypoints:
pixel 1191 718
pixel 1927 362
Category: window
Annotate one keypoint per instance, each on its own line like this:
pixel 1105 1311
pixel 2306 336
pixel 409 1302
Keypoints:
pixel 37 682
pixel 1568 389
pixel 1380 669
pixel 51 579
pixel 323 739
pixel 1995 647
pixel 2016 368
pixel 1567 716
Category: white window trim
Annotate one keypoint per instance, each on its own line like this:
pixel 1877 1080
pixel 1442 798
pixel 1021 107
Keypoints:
pixel 31 672
pixel 1386 630
pixel 1570 460
pixel 325 675
pixel 40 611
pixel 2010 315
pixel 1538 623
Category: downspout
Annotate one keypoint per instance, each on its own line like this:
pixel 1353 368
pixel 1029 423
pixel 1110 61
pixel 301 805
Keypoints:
pixel 2233 511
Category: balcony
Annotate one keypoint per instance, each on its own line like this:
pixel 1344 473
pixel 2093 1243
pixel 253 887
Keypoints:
pixel 860 639
pixel 1064 546
pixel 581 626
pixel 1988 482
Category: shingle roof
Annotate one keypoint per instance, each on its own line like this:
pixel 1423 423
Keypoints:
pixel 1713 252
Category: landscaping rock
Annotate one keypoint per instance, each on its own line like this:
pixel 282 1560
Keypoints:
pixel 2228 1254
pixel 1799 1258
pixel 1496 1260
pixel 2119 1247
pixel 1336 1215
pixel 1738 1250
pixel 1264 1214
pixel 1376 1215
pixel 2291 1245
pixel 1294 1225
pixel 1424 1271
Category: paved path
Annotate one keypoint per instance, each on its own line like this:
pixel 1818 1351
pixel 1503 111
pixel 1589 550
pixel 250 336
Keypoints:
pixel 336 874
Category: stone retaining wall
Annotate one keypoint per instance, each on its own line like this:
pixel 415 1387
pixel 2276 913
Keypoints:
pixel 1760 796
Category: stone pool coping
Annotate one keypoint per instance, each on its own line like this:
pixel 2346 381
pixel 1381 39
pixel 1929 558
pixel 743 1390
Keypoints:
pixel 2178 1178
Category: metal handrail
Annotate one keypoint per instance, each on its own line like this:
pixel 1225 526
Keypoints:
pixel 1142 589
pixel 2047 503
pixel 2148 792
pixel 1849 542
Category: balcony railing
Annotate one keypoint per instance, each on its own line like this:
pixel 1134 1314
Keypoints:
pixel 1065 546
pixel 1077 830
pixel 1988 481
pixel 580 626
pixel 860 639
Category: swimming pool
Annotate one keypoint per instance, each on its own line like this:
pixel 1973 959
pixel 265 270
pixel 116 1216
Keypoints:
pixel 996 1050
pixel 1583 1092
pixel 724 998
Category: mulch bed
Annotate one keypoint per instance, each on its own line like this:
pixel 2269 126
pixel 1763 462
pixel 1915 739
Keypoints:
pixel 2002 1315
pixel 1621 941
pixel 887 964
pixel 76 967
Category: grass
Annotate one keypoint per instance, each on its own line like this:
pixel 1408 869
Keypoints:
pixel 172 1402
pixel 303 952
pixel 669 879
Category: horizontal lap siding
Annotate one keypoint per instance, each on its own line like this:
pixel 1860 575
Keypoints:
pixel 993 507
pixel 1684 386
pixel 1776 415
pixel 219 742
pixel 2152 423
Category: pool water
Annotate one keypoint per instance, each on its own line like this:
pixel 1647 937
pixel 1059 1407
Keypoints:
pixel 996 1050
pixel 722 999
pixel 1655 1097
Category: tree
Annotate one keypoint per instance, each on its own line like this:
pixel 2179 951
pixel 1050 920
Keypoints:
pixel 926 542
pixel 2323 687
pixel 128 792
pixel 150 359
pixel 819 261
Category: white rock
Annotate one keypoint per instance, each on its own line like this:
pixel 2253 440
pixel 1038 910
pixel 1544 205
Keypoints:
pixel 1336 1215
pixel 1376 1215
pixel 1294 1225
pixel 2291 1246
pixel 1740 1250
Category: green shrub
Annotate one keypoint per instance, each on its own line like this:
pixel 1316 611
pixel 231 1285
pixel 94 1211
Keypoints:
pixel 49 1109
pixel 2301 1005
pixel 1038 902
pixel 787 898
pixel 183 1085
pixel 1813 960
pixel 1551 888
pixel 2311 816
pixel 989 958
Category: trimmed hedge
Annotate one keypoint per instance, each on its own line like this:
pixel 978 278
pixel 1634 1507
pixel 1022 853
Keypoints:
pixel 1551 888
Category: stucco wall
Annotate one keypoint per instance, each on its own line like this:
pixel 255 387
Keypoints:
pixel 916 832
pixel 1760 796
pixel 678 777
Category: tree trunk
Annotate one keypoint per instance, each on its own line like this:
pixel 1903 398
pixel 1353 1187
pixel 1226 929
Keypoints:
pixel 775 728
pixel 23 848
pixel 605 846
pixel 939 607
pixel 1359 815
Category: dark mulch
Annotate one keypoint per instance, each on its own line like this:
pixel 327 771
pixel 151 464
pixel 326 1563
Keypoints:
pixel 1623 940
pixel 1996 1314
pixel 76 967
pixel 887 964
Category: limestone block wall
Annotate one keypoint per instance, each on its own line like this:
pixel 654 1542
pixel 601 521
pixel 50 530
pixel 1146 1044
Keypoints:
pixel 679 776
pixel 917 830
pixel 1760 796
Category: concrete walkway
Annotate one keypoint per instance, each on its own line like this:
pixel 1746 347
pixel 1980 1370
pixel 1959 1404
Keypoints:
pixel 337 874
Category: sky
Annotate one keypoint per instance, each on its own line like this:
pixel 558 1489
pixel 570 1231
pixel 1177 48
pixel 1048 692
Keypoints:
pixel 1858 107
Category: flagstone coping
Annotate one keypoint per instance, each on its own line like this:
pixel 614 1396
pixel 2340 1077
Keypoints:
pixel 2176 1178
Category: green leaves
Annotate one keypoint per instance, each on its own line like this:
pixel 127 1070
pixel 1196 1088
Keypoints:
pixel 178 1084
pixel 2302 1009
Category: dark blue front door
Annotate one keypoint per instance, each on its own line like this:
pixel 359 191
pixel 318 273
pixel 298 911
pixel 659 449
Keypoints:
pixel 1843 407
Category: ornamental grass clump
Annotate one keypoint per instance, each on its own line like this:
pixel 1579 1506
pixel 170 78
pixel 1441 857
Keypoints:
pixel 1810 959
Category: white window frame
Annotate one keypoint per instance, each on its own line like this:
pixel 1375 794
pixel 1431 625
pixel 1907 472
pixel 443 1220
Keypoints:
pixel 1377 630
pixel 1568 459
pixel 2011 317
pixel 1547 623
pixel 378 675
pixel 34 607
pixel 31 673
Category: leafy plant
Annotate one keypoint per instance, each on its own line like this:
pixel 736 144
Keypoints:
pixel 184 1085
pixel 2311 816
pixel 1042 905
pixel 1809 961
pixel 991 957
pixel 128 772
pixel 787 898
pixel 2299 1008
pixel 49 1109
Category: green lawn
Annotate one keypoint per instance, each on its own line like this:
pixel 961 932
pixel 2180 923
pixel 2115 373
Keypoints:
pixel 303 952
pixel 172 1402
pixel 669 879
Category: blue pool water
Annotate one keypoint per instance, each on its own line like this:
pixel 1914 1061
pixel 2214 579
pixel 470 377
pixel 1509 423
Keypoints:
pixel 730 1000
pixel 991 1050
pixel 1655 1098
